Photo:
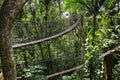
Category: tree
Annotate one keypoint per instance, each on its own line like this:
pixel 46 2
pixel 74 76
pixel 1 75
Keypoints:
pixel 8 13
pixel 94 13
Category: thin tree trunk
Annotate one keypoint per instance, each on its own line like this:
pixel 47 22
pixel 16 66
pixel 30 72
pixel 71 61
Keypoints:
pixel 25 59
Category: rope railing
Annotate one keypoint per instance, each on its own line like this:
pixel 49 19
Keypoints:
pixel 46 39
pixel 109 52
pixel 81 66
pixel 56 36
pixel 65 71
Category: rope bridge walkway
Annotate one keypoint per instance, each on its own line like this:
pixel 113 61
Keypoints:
pixel 81 66
pixel 72 27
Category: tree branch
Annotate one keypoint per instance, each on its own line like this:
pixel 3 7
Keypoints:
pixel 47 39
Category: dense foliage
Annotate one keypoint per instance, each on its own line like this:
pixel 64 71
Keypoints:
pixel 98 31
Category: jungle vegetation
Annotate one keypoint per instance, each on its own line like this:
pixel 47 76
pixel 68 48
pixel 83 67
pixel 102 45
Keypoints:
pixel 60 39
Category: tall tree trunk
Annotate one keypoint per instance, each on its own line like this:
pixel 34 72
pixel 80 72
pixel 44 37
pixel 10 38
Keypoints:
pixel 7 59
pixel 8 13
